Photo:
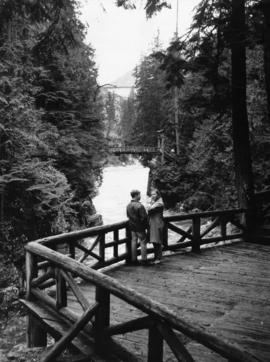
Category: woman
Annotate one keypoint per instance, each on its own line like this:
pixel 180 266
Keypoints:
pixel 156 223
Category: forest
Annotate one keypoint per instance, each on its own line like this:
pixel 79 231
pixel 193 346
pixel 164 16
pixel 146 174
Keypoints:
pixel 52 140
pixel 194 73
pixel 208 91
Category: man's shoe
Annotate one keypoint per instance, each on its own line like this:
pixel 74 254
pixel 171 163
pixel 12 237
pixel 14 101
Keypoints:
pixel 157 261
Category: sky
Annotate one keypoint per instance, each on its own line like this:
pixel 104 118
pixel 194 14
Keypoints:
pixel 122 37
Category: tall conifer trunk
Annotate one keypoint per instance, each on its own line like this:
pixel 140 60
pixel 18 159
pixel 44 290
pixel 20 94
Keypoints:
pixel 266 44
pixel 240 128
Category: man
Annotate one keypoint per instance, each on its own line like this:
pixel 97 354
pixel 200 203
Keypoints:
pixel 137 216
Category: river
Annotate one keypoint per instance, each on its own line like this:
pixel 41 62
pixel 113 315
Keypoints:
pixel 114 193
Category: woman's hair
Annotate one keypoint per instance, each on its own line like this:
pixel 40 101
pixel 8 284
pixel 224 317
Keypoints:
pixel 157 192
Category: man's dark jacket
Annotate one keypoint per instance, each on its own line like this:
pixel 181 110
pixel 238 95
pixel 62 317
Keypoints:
pixel 137 216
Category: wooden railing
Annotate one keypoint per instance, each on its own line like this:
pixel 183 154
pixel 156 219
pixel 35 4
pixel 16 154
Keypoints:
pixel 47 263
pixel 110 244
pixel 105 245
pixel 201 225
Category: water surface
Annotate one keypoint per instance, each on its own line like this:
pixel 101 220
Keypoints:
pixel 114 193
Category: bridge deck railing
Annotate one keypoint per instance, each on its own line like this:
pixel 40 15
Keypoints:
pixel 104 245
pixel 59 259
pixel 135 150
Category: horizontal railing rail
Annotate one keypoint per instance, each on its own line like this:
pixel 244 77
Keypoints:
pixel 204 214
pixel 105 245
pixel 205 228
pixel 161 322
pixel 98 246
pixel 79 234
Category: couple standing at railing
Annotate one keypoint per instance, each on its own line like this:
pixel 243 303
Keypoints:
pixel 146 226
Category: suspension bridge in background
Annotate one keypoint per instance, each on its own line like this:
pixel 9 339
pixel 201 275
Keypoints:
pixel 158 150
pixel 135 150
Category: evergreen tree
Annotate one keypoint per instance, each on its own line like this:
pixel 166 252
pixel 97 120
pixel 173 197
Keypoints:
pixel 240 126
pixel 128 117
pixel 202 67
pixel 111 112
pixel 151 113
pixel 266 44
pixel 51 136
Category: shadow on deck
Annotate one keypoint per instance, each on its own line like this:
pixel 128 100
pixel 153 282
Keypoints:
pixel 224 289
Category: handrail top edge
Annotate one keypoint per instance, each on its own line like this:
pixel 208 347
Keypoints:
pixel 88 232
pixel 77 234
pixel 205 213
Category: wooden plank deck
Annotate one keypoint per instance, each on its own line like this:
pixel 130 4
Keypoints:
pixel 225 289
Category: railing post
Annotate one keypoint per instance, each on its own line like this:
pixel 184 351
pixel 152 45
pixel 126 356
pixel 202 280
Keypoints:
pixel 196 231
pixel 72 251
pixel 128 245
pixel 36 336
pixel 165 235
pixel 61 290
pixel 102 319
pixel 223 226
pixel 245 220
pixel 102 247
pixel 116 239
pixel 155 345
pixel 31 272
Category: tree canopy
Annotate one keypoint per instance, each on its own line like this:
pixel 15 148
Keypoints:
pixel 200 66
pixel 51 130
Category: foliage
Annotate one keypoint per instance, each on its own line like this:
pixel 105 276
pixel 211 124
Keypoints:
pixel 151 6
pixel 173 64
pixel 150 100
pixel 200 66
pixel 259 125
pixel 128 117
pixel 67 97
pixel 114 119
pixel 51 133
pixel 111 116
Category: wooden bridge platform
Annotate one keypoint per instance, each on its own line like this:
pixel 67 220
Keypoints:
pixel 225 289
pixel 135 150
pixel 204 302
